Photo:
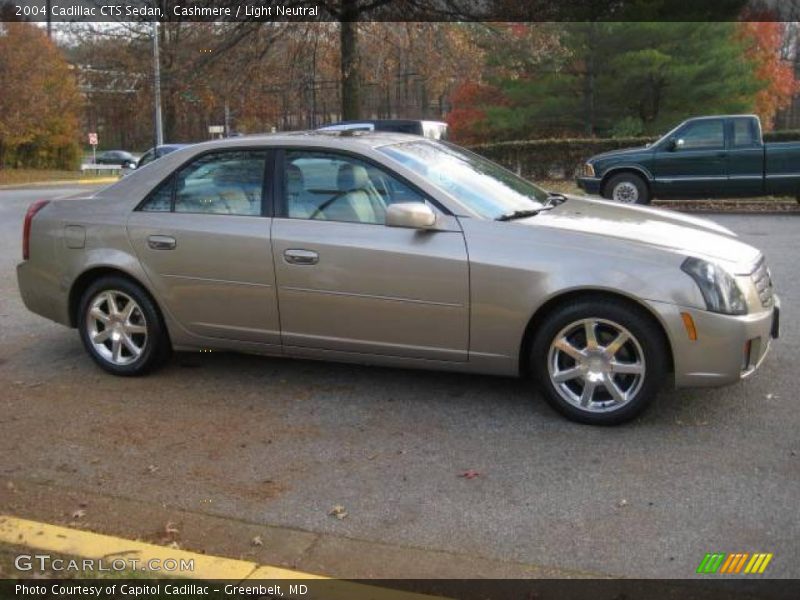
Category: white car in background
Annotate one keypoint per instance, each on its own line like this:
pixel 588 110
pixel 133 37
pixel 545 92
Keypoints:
pixel 435 130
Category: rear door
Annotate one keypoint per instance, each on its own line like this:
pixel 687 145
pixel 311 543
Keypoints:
pixel 203 239
pixel 745 157
pixel 696 164
pixel 347 282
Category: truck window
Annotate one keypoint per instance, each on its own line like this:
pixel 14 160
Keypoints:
pixel 745 133
pixel 703 135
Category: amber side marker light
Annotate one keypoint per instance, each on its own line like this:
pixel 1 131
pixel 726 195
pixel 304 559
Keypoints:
pixel 688 322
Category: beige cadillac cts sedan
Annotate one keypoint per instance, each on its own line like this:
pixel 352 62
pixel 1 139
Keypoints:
pixel 394 250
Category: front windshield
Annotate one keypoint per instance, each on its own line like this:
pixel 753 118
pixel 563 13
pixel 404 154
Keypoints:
pixel 481 185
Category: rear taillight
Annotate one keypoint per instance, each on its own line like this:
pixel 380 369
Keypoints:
pixel 26 227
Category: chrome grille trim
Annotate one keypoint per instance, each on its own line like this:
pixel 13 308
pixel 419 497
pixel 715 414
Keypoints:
pixel 763 281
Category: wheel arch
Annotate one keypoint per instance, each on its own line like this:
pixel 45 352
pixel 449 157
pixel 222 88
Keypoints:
pixel 552 303
pixel 89 276
pixel 614 171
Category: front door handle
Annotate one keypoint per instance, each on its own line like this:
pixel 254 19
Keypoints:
pixel 161 242
pixel 301 257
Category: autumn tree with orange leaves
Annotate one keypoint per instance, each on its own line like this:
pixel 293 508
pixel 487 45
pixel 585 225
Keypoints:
pixel 39 102
pixel 763 42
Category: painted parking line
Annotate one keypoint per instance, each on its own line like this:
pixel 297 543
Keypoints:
pixel 106 548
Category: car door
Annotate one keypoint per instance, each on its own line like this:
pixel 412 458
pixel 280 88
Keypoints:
pixel 203 240
pixel 694 161
pixel 348 283
pixel 745 157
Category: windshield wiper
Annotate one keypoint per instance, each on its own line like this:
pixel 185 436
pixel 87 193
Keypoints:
pixel 521 214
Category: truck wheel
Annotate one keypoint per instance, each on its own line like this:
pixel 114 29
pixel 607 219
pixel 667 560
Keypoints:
pixel 120 327
pixel 628 188
pixel 598 361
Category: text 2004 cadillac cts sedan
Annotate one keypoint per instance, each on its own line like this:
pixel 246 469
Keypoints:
pixel 394 250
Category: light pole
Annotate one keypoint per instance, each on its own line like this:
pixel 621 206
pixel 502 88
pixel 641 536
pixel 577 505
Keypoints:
pixel 157 87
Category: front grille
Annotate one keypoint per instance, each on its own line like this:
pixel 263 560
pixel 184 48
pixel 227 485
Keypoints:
pixel 763 282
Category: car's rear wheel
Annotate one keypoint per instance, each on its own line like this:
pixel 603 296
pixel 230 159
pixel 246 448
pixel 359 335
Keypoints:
pixel 628 188
pixel 121 328
pixel 598 361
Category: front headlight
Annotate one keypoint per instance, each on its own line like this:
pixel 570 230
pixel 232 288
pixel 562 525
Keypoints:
pixel 588 170
pixel 719 288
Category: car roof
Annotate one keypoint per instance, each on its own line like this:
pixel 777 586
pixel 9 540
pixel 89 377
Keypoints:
pixel 338 139
pixel 706 117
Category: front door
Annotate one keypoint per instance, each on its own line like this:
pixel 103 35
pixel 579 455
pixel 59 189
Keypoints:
pixel 347 282
pixel 696 164
pixel 204 243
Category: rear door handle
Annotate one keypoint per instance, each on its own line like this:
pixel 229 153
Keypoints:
pixel 161 242
pixel 301 257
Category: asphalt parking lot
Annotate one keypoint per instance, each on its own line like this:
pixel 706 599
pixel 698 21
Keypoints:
pixel 278 442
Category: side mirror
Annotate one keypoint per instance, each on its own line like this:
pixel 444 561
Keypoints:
pixel 413 215
pixel 676 144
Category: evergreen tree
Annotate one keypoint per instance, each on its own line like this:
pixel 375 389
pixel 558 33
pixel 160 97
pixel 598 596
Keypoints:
pixel 628 79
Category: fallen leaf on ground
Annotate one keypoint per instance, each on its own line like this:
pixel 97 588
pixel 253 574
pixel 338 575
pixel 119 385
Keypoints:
pixel 170 528
pixel 152 469
pixel 338 511
pixel 470 474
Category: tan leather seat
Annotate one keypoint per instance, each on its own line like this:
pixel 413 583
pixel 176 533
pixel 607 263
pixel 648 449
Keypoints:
pixel 297 202
pixel 230 183
pixel 360 201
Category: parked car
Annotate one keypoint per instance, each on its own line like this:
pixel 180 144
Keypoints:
pixel 435 130
pixel 719 156
pixel 157 152
pixel 394 250
pixel 116 157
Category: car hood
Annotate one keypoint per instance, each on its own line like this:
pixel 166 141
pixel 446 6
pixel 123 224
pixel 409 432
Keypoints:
pixel 617 153
pixel 653 227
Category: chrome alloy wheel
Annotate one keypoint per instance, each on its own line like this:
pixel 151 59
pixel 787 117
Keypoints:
pixel 116 327
pixel 596 365
pixel 625 191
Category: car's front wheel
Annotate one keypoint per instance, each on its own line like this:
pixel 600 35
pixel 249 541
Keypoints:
pixel 599 361
pixel 121 328
pixel 628 188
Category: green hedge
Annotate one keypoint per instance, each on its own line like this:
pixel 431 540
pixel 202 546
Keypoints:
pixel 788 135
pixel 553 158
pixel 563 158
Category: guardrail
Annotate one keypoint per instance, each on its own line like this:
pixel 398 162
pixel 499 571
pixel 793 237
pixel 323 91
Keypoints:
pixel 101 168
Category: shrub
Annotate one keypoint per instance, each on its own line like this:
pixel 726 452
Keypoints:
pixel 552 158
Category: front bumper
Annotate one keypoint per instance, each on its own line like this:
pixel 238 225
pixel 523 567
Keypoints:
pixel 728 348
pixel 590 185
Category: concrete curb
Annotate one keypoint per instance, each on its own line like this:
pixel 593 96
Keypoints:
pixel 60 182
pixel 88 545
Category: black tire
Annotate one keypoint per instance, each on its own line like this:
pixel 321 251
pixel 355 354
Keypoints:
pixel 647 340
pixel 154 344
pixel 618 182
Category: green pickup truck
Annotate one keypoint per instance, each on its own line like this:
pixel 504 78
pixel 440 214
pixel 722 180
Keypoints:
pixel 704 157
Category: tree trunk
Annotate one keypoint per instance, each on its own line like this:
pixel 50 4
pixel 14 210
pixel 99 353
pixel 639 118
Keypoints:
pixel 348 39
pixel 589 89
